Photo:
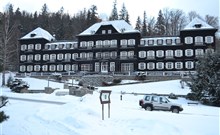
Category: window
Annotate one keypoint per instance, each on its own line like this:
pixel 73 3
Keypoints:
pixel 112 66
pixel 142 54
pixel 198 40
pixel 106 42
pixel 67 67
pixel 74 56
pixel 47 47
pixel 127 67
pixel 44 67
pixel 98 44
pixel 83 55
pixel 68 45
pixel 97 67
pixel 98 55
pixel 29 68
pixel 169 41
pixel 169 65
pixel 60 56
pixel 37 57
pixel 75 67
pixel 142 42
pixel 178 53
pixel 189 65
pixel 109 31
pixel 103 31
pixel 188 40
pixel 209 39
pixel 178 65
pixel 160 65
pixel 159 41
pixel 53 46
pixel 150 42
pixel 22 68
pixel 46 57
pixel 114 43
pixel 86 67
pixel 105 55
pixel 60 46
pixel 199 52
pixel 147 98
pixel 82 44
pixel 142 66
pixel 75 45
pixel 131 42
pixel 59 67
pixel 90 44
pixel 23 47
pixel 155 99
pixel 37 46
pixel 169 53
pixel 113 54
pixel 67 57
pixel 52 57
pixel 123 42
pixel 23 57
pixel 52 67
pixel 30 57
pixel 150 55
pixel 123 55
pixel 189 52
pixel 160 53
pixel 130 54
pixel 89 55
pixel 150 66
pixel 178 41
pixel 30 47
pixel 36 67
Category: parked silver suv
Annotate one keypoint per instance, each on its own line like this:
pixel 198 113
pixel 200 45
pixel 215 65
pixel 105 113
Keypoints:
pixel 155 102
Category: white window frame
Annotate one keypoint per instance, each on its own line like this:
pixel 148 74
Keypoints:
pixel 209 39
pixel 52 68
pixel 189 65
pixel 103 31
pixel 67 67
pixel 198 40
pixel 142 65
pixel 37 57
pixel 113 43
pixel 45 68
pixel 46 57
pixel 112 66
pixel 179 53
pixel 123 55
pixel 113 54
pixel 199 52
pixel 130 54
pixel 60 56
pixel 22 68
pixel 37 46
pixel 74 67
pixel 131 42
pixel 75 56
pixel 59 67
pixel 109 31
pixel 97 66
pixel 178 65
pixel 30 46
pixel 142 54
pixel 150 66
pixel 52 57
pixel 160 53
pixel 150 54
pixel 29 68
pixel 23 47
pixel 189 52
pixel 127 67
pixel 67 56
pixel 160 65
pixel 37 67
pixel 23 57
pixel 123 42
pixel 188 40
pixel 30 57
pixel 83 44
pixel 169 65
pixel 169 53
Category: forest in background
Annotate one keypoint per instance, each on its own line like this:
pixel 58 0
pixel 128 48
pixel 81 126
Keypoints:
pixel 16 23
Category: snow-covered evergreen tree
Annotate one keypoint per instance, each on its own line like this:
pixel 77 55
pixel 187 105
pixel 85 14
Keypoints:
pixel 3 116
pixel 144 27
pixel 114 14
pixel 160 24
pixel 206 82
pixel 138 24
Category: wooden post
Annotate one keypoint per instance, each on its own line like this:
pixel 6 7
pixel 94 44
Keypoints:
pixel 108 110
pixel 102 111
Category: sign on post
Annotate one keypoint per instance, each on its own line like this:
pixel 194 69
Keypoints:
pixel 105 99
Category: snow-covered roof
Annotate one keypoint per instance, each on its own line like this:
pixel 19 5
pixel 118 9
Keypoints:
pixel 120 25
pixel 196 24
pixel 39 33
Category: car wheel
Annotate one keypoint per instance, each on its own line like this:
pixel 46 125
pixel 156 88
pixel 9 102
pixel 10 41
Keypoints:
pixel 148 108
pixel 175 110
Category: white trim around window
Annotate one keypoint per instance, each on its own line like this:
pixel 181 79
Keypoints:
pixel 189 65
pixel 150 66
pixel 142 65
pixel 189 52
pixel 142 54
pixel 160 65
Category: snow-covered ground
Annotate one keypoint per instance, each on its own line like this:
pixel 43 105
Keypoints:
pixel 83 115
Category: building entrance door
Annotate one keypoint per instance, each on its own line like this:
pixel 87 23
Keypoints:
pixel 104 67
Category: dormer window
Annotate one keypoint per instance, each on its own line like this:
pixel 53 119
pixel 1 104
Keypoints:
pixel 103 32
pixel 109 31
pixel 198 25
pixel 33 34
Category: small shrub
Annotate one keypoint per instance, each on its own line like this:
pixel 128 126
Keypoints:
pixel 172 96
pixel 116 81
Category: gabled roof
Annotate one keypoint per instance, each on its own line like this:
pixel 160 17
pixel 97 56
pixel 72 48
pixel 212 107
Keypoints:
pixel 120 25
pixel 38 33
pixel 197 24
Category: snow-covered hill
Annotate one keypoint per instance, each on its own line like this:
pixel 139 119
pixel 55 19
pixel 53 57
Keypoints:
pixel 83 116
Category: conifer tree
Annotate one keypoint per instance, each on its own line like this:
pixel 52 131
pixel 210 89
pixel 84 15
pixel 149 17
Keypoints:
pixel 206 82
pixel 144 27
pixel 160 24
pixel 114 14
pixel 138 24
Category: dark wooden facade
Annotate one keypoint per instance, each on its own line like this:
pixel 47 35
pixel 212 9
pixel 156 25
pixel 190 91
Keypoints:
pixel 115 47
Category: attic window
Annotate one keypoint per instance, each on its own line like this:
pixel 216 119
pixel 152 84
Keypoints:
pixel 198 25
pixel 33 34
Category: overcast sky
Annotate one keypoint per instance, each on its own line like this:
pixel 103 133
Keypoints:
pixel 135 7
